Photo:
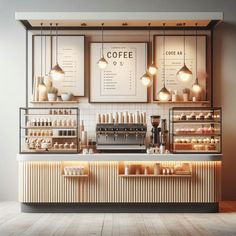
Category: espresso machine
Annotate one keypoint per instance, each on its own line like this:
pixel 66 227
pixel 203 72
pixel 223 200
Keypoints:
pixel 159 131
pixel 121 137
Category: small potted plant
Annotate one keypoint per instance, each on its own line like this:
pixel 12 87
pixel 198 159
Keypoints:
pixel 52 94
pixel 186 93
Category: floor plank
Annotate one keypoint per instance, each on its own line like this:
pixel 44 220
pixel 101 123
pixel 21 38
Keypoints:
pixel 15 223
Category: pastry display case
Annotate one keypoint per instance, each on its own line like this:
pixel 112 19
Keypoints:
pixel 195 130
pixel 49 130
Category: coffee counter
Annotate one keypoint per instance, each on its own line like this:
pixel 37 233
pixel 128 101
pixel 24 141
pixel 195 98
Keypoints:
pixel 104 186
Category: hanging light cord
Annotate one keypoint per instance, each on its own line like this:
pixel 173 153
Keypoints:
pixel 196 51
pixel 149 38
pixel 45 52
pixel 41 41
pixel 184 41
pixel 56 43
pixel 51 39
pixel 102 40
pixel 164 56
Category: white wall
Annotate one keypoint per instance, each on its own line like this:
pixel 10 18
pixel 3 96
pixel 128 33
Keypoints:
pixel 12 66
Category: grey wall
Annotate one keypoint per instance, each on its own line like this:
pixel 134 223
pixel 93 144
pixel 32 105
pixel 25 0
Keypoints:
pixel 12 67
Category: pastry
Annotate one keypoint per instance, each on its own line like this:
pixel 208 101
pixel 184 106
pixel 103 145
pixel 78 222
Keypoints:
pixel 209 116
pixel 200 116
pixel 192 116
pixel 66 146
pixel 183 116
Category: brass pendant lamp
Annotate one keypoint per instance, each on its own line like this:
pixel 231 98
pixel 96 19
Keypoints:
pixel 152 68
pixel 184 74
pixel 196 88
pixel 146 78
pixel 164 94
pixel 102 62
pixel 57 73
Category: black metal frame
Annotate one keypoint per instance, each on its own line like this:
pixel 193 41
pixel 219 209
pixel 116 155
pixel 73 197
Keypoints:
pixel 29 27
pixel 171 126
pixel 210 25
pixel 26 109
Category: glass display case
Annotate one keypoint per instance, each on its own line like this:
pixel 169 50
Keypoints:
pixel 195 130
pixel 49 130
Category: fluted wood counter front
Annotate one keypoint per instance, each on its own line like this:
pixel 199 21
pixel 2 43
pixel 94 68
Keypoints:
pixel 43 182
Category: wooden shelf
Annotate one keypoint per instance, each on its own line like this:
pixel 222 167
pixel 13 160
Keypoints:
pixel 55 102
pixel 76 176
pixel 151 176
pixel 182 102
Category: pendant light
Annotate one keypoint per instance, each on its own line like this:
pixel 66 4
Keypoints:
pixel 164 95
pixel 196 88
pixel 146 77
pixel 57 72
pixel 102 63
pixel 184 74
pixel 42 86
pixel 152 68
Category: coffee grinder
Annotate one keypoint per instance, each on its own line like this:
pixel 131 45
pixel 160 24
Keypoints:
pixel 155 137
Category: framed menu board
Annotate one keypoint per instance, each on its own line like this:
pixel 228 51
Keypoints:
pixel 70 58
pixel 120 80
pixel 174 54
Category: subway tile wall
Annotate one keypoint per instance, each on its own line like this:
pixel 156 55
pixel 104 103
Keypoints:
pixel 88 112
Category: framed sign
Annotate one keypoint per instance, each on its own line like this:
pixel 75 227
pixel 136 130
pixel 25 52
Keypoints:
pixel 120 80
pixel 174 54
pixel 70 58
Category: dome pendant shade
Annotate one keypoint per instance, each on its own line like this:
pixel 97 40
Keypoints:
pixel 57 73
pixel 102 63
pixel 164 95
pixel 152 69
pixel 146 79
pixel 196 88
pixel 184 74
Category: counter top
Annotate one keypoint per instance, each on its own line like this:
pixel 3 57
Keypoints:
pixel 119 157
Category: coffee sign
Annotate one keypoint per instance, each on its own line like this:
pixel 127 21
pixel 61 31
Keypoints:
pixel 120 80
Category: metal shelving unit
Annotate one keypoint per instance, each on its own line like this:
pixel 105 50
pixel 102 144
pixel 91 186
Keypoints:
pixel 195 130
pixel 36 129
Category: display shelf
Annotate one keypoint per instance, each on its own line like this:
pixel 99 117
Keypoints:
pixel 208 131
pixel 197 121
pixel 205 135
pixel 28 136
pixel 49 114
pixel 55 102
pixel 75 176
pixel 182 102
pixel 195 151
pixel 51 150
pixel 48 127
pixel 158 176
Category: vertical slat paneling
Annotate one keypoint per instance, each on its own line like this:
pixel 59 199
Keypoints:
pixel 43 182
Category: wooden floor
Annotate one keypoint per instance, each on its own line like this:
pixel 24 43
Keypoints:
pixel 12 222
